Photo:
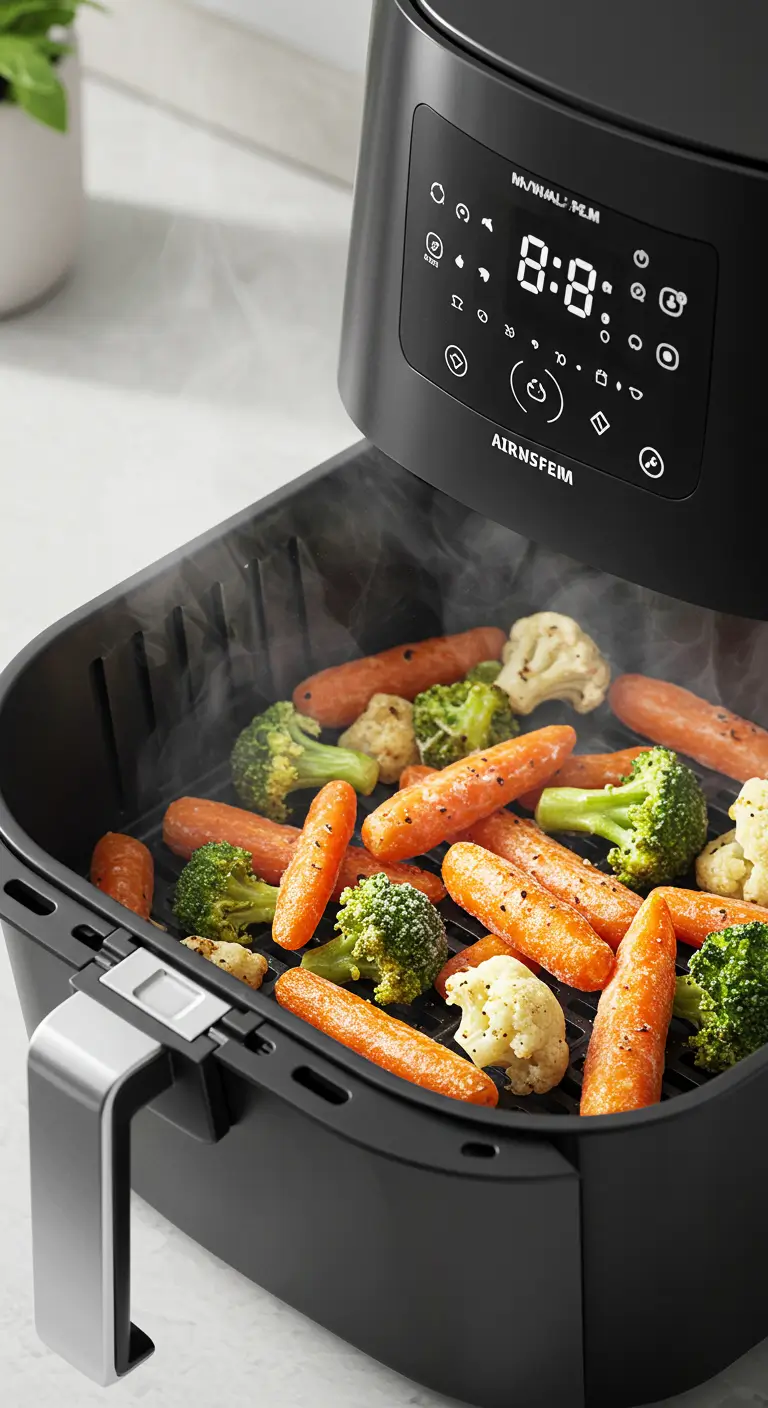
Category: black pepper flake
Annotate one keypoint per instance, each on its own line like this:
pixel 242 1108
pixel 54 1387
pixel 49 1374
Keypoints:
pixel 319 846
pixel 408 821
pixel 500 781
pixel 328 827
pixel 442 809
pixel 407 654
pixel 523 894
pixel 503 908
pixel 308 694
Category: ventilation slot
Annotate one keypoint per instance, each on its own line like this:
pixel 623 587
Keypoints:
pixel 181 645
pixel 88 936
pixel 320 1086
pixel 297 581
pixel 477 1150
pixel 220 624
pixel 101 695
pixel 32 900
pixel 144 680
pixel 260 644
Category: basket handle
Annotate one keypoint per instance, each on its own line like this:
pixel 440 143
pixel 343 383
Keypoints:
pixel 89 1072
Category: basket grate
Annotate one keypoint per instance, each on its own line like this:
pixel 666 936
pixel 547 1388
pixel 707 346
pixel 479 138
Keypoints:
pixel 429 1013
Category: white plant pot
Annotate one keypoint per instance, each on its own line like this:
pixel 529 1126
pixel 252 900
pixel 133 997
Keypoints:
pixel 41 181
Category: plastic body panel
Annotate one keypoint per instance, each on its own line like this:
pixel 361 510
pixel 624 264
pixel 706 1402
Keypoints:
pixel 692 71
pixel 682 548
pixel 584 1211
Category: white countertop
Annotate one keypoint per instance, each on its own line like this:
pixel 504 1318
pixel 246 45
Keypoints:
pixel 187 369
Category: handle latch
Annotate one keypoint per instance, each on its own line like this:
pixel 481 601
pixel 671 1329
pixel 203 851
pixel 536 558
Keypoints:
pixel 90 1071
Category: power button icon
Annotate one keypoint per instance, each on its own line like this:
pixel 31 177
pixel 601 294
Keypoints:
pixel 651 462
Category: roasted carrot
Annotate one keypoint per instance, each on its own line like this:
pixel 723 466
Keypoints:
pixel 625 1060
pixel 383 1039
pixel 312 873
pixel 606 904
pixel 415 772
pixel 586 770
pixel 337 696
pixel 516 908
pixel 474 954
pixel 711 735
pixel 453 799
pixel 192 821
pixel 695 913
pixel 123 868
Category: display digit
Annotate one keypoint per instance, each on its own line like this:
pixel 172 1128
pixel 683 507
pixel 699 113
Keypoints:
pixel 585 289
pixel 537 266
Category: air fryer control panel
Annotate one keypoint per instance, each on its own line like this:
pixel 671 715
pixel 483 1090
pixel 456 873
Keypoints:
pixel 562 321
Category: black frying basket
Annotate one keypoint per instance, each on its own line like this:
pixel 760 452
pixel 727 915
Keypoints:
pixel 511 1255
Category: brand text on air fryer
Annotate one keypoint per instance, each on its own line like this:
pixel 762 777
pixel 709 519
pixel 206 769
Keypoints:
pixel 532 457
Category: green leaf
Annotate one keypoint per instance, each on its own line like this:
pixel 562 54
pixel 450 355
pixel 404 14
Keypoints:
pixel 33 81
pixel 39 25
pixel 52 49
pixel 49 107
pixel 22 64
pixel 39 16
pixel 22 15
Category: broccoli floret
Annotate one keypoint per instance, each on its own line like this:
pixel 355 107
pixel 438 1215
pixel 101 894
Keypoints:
pixel 487 672
pixel 278 753
pixel 656 818
pixel 453 720
pixel 389 933
pixel 219 897
pixel 726 996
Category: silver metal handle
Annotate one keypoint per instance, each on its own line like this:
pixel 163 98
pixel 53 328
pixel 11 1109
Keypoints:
pixel 89 1073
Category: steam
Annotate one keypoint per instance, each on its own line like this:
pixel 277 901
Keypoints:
pixel 356 561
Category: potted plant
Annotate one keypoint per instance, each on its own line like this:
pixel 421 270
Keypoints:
pixel 41 186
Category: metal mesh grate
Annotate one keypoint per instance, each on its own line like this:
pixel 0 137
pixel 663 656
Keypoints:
pixel 429 1013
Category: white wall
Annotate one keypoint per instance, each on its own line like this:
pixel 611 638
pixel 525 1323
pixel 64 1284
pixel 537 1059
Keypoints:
pixel 334 30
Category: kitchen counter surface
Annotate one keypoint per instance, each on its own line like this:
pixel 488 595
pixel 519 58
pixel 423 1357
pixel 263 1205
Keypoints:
pixel 187 369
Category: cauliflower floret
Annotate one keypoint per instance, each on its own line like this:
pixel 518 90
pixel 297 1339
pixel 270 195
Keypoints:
pixel 736 864
pixel 511 1018
pixel 251 968
pixel 549 656
pixel 721 868
pixel 385 732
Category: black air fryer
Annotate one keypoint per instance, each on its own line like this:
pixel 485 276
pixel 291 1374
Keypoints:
pixel 553 342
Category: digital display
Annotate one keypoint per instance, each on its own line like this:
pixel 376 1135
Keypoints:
pixel 563 321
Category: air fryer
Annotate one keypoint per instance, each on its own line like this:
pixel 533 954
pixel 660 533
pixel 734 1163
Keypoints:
pixel 552 344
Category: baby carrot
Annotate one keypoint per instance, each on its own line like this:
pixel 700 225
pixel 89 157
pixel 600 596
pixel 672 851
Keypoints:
pixel 674 717
pixel 516 908
pixel 337 696
pixel 475 954
pixel 587 770
pixel 415 820
pixel 695 914
pixel 625 1060
pixel 123 868
pixel 389 1043
pixel 607 905
pixel 415 772
pixel 310 878
pixel 192 821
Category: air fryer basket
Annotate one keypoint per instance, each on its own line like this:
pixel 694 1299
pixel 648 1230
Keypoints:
pixel 136 701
